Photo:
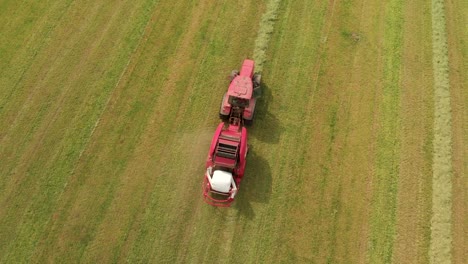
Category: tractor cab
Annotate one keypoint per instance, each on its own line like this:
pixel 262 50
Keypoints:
pixel 238 102
pixel 225 164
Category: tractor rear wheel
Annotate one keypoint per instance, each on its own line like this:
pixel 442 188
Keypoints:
pixel 223 117
pixel 249 122
pixel 257 78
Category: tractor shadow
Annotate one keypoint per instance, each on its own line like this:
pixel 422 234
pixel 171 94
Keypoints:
pixel 256 185
pixel 266 127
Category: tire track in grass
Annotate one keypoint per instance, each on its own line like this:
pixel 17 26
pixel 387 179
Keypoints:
pixel 441 222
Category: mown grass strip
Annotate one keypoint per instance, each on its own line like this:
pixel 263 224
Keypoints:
pixel 265 30
pixel 25 222
pixel 441 229
pixel 383 215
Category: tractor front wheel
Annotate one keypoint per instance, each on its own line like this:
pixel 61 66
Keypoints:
pixel 233 75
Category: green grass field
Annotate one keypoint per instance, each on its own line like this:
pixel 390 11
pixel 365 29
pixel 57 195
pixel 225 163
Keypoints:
pixel 107 109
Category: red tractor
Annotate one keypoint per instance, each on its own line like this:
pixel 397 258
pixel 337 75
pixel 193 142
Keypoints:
pixel 240 99
pixel 225 164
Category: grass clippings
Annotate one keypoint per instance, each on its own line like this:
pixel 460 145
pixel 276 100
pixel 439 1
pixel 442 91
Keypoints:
pixel 266 28
pixel 441 228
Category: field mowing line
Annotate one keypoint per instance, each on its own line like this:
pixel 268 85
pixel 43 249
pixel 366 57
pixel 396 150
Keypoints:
pixel 441 229
pixel 265 31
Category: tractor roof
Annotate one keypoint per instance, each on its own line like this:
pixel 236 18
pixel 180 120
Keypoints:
pixel 241 87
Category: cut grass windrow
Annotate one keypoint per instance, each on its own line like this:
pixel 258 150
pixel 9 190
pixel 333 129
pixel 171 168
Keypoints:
pixel 441 229
pixel 264 33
